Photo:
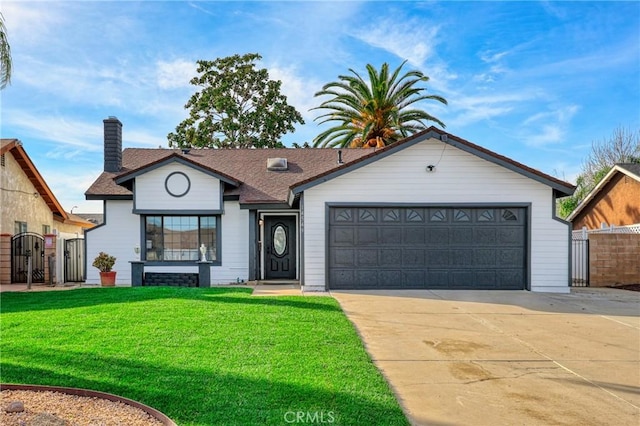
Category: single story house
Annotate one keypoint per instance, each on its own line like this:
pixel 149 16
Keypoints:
pixel 614 201
pixel 431 211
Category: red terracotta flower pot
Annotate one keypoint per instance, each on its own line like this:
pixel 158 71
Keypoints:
pixel 108 279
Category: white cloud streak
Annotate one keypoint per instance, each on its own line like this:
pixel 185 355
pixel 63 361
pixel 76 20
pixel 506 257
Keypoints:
pixel 412 40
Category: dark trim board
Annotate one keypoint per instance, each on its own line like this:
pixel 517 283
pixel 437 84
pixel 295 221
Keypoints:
pixel 473 246
pixel 174 212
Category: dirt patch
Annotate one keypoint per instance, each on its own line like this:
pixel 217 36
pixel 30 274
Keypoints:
pixel 454 346
pixel 469 371
pixel 48 408
pixel 631 287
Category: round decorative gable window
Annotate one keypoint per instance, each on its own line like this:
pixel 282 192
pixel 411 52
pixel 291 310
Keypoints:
pixel 177 184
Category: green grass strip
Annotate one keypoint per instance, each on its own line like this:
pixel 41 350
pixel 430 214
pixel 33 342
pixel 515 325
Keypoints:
pixel 202 356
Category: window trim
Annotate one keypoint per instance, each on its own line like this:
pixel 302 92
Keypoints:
pixel 22 225
pixel 143 245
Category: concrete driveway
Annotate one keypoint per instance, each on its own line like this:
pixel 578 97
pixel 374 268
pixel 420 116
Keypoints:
pixel 505 357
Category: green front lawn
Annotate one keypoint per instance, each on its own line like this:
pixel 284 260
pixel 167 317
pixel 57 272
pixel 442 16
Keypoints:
pixel 201 356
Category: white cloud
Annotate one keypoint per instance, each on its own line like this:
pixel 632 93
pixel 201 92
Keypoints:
pixel 175 74
pixel 549 127
pixel 64 132
pixel 467 110
pixel 412 40
pixel 69 187
pixel 30 25
pixel 298 89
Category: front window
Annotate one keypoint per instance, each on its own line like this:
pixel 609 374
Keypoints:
pixel 178 238
pixel 20 227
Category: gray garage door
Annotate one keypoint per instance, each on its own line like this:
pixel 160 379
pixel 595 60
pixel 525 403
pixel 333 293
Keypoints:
pixel 427 247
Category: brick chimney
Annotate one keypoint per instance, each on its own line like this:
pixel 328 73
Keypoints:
pixel 112 144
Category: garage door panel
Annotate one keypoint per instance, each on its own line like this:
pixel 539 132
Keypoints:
pixel 391 278
pixel 367 257
pixel 486 278
pixel 413 235
pixel 414 215
pixel 368 278
pixel 367 236
pixel 510 279
pixel 413 257
pixel 461 236
pixel 510 235
pixel 485 235
pixel 438 278
pixel 437 236
pixel 342 215
pixel 461 279
pixel 414 278
pixel 342 258
pixel 511 258
pixel 390 235
pixel 436 258
pixel 485 257
pixel 461 257
pixel 341 278
pixel 342 236
pixel 390 257
pixel 401 247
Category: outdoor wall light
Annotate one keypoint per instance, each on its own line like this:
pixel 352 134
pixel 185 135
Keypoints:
pixel 136 250
pixel 431 168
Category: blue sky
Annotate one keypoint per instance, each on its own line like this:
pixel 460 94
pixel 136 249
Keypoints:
pixel 535 81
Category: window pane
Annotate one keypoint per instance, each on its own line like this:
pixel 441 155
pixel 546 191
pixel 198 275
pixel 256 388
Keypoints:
pixel 153 238
pixel 208 236
pixel 178 238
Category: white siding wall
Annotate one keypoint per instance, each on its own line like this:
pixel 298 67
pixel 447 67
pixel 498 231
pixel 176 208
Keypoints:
pixel 151 194
pixel 121 233
pixel 459 177
pixel 117 237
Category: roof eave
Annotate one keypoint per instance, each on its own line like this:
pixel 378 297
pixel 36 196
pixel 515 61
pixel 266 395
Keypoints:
pixel 125 177
pixel 36 179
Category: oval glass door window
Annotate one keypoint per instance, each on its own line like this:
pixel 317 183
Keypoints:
pixel 279 240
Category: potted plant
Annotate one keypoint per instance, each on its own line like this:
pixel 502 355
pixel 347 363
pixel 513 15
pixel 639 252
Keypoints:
pixel 104 263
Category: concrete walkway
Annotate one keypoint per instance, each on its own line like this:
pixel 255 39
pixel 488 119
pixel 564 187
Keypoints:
pixel 505 357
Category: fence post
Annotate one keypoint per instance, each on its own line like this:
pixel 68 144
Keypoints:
pixel 29 270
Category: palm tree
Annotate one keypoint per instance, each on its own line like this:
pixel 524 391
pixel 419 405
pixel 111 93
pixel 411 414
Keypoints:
pixel 374 113
pixel 5 56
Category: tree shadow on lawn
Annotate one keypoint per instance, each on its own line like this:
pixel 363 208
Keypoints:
pixel 40 301
pixel 209 395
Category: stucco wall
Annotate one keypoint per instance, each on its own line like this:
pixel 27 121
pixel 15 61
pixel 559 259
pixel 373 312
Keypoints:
pixel 459 177
pixel 617 203
pixel 18 202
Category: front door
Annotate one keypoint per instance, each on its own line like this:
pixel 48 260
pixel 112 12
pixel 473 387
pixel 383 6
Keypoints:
pixel 280 247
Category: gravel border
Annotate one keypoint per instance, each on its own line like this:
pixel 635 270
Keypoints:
pixel 53 405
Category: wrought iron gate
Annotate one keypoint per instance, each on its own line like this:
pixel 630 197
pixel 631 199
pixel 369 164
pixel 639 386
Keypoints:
pixel 579 262
pixel 74 260
pixel 24 246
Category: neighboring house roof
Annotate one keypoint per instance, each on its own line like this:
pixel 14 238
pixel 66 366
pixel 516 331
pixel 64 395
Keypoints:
pixel 94 218
pixel 246 169
pixel 80 221
pixel 629 169
pixel 14 146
